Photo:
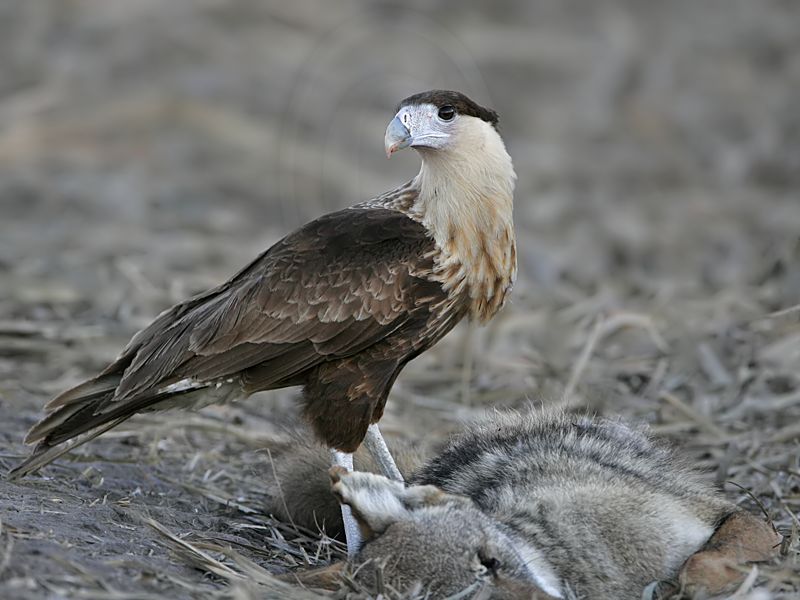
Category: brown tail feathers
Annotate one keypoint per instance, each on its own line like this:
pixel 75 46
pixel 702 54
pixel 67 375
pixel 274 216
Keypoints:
pixel 84 412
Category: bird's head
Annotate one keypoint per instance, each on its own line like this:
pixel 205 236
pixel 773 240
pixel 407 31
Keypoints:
pixel 437 120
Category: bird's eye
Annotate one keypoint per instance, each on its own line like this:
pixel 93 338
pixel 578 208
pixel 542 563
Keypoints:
pixel 447 112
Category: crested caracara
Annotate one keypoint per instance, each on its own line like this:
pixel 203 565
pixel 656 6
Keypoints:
pixel 338 307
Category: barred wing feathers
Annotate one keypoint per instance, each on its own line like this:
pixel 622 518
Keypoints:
pixel 335 287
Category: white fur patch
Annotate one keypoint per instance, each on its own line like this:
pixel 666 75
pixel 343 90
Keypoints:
pixel 540 569
pixel 688 532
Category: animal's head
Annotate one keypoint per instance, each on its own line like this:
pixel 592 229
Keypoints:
pixel 439 121
pixel 443 541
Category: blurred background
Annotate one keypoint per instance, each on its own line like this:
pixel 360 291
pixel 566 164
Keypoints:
pixel 148 149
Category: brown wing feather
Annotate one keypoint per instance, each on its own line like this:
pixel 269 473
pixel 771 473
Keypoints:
pixel 331 289
pixel 342 283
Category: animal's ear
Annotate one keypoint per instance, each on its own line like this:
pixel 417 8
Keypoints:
pixel 377 501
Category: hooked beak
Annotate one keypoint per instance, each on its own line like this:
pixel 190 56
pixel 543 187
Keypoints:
pixel 397 137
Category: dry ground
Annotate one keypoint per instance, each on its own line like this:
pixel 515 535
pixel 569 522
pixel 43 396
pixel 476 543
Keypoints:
pixel 148 149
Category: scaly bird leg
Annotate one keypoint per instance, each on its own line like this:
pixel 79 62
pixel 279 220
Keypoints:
pixel 351 530
pixel 380 453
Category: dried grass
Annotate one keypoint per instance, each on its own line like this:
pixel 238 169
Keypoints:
pixel 147 151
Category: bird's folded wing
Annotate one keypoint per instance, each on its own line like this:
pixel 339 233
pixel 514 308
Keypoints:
pixel 330 289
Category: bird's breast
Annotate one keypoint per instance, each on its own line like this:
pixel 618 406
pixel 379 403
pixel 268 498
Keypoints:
pixel 479 271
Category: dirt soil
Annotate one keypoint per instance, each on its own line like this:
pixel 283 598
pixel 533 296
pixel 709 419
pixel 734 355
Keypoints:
pixel 148 149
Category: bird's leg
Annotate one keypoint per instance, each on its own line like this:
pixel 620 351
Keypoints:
pixel 351 531
pixel 380 453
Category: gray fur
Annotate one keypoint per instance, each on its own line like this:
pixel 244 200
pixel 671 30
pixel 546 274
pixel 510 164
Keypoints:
pixel 300 490
pixel 528 504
